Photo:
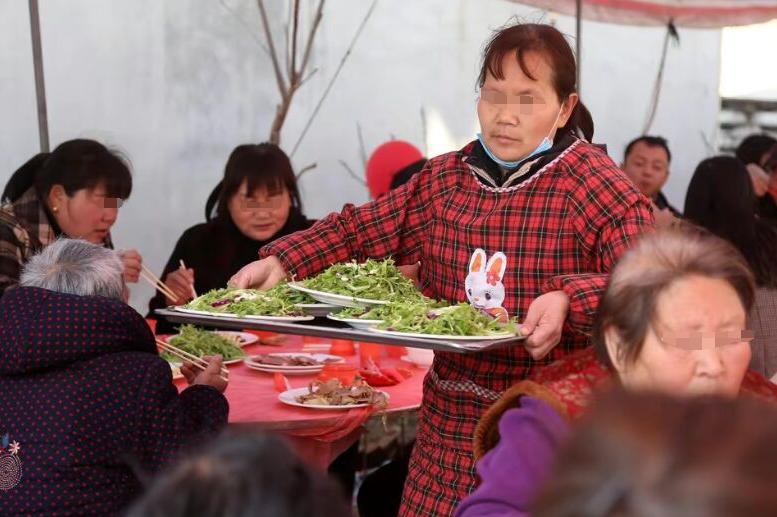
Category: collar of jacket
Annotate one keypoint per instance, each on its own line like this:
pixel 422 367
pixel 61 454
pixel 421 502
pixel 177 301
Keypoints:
pixel 493 175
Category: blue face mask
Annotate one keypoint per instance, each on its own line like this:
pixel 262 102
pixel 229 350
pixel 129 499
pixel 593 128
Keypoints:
pixel 543 146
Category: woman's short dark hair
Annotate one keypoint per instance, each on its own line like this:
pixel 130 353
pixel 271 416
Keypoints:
pixel 644 455
pixel 650 267
pixel 242 475
pixel 259 166
pixel 76 164
pixel 721 199
pixel 551 44
pixel 754 147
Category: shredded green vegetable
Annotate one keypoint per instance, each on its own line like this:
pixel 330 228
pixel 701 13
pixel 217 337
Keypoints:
pixel 455 320
pixel 202 342
pixel 373 280
pixel 278 301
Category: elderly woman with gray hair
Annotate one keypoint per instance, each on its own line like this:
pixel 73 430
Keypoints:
pixel 88 407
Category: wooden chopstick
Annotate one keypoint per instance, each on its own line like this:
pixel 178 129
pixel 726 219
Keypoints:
pixel 161 288
pixel 189 356
pixel 157 283
pixel 183 266
pixel 186 356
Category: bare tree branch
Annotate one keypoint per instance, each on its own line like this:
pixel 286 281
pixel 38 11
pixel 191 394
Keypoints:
pixel 248 28
pixel 351 173
pixel 336 74
pixel 311 36
pixel 271 45
pixel 306 169
pixel 362 147
pixel 306 78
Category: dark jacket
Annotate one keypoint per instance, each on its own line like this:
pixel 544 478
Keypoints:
pixel 216 250
pixel 662 203
pixel 90 404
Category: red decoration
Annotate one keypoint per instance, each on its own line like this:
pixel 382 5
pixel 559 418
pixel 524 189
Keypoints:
pixel 386 160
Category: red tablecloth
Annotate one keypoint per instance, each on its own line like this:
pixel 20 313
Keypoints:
pixel 253 401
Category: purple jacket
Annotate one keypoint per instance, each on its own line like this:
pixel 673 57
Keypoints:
pixel 86 403
pixel 512 472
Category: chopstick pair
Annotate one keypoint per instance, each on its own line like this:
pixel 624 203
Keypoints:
pixel 186 356
pixel 183 266
pixel 156 283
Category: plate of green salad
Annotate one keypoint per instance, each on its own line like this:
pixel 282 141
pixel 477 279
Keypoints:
pixel 276 304
pixel 350 284
pixel 460 322
pixel 201 342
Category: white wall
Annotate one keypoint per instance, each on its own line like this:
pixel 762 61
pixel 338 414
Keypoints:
pixel 177 84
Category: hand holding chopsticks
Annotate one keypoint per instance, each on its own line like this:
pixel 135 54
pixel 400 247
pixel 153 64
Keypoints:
pixel 212 374
pixel 178 286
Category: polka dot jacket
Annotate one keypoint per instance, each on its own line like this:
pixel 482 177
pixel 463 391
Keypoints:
pixel 87 407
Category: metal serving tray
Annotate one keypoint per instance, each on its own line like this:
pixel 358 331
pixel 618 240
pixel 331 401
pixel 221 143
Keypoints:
pixel 311 329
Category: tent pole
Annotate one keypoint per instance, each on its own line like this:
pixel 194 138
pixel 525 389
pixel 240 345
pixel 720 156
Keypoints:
pixel 40 88
pixel 578 34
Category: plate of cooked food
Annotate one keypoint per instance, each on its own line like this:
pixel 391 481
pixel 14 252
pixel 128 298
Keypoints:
pixel 201 342
pixel 332 394
pixel 276 304
pixel 351 284
pixel 294 363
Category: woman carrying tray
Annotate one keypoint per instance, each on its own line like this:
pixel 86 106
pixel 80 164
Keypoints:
pixel 551 210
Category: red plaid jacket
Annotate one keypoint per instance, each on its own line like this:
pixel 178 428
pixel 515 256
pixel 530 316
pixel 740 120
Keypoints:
pixel 562 228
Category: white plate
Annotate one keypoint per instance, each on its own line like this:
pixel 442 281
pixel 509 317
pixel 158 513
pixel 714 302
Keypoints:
pixel 317 309
pixel 245 337
pixel 337 299
pixel 307 369
pixel 249 316
pixel 290 397
pixel 355 322
pixel 438 337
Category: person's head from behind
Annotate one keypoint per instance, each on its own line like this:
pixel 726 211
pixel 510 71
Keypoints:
pixel 74 266
pixel 652 455
pixel 82 184
pixel 528 91
pixel 673 316
pixel 755 149
pixel 259 190
pixel 249 475
pixel 646 163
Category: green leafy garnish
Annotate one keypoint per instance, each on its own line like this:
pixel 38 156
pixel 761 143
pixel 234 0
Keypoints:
pixel 202 342
pixel 454 320
pixel 373 279
pixel 278 301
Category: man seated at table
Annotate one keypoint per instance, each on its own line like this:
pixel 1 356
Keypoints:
pixel 87 404
pixel 646 163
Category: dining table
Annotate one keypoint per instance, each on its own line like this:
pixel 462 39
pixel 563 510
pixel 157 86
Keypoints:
pixel 318 435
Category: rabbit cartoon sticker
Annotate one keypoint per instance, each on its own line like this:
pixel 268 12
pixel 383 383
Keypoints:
pixel 485 290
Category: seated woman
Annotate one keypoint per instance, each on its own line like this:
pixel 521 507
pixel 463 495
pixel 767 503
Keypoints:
pixel 243 475
pixel 258 201
pixel 88 404
pixel 721 199
pixel 673 320
pixel 651 454
pixel 75 191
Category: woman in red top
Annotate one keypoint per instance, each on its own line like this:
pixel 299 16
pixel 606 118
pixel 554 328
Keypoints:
pixel 530 187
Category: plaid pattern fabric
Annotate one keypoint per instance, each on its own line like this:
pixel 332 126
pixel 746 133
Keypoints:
pixel 562 228
pixel 25 229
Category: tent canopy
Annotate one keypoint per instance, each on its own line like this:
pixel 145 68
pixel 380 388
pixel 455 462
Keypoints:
pixel 686 13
